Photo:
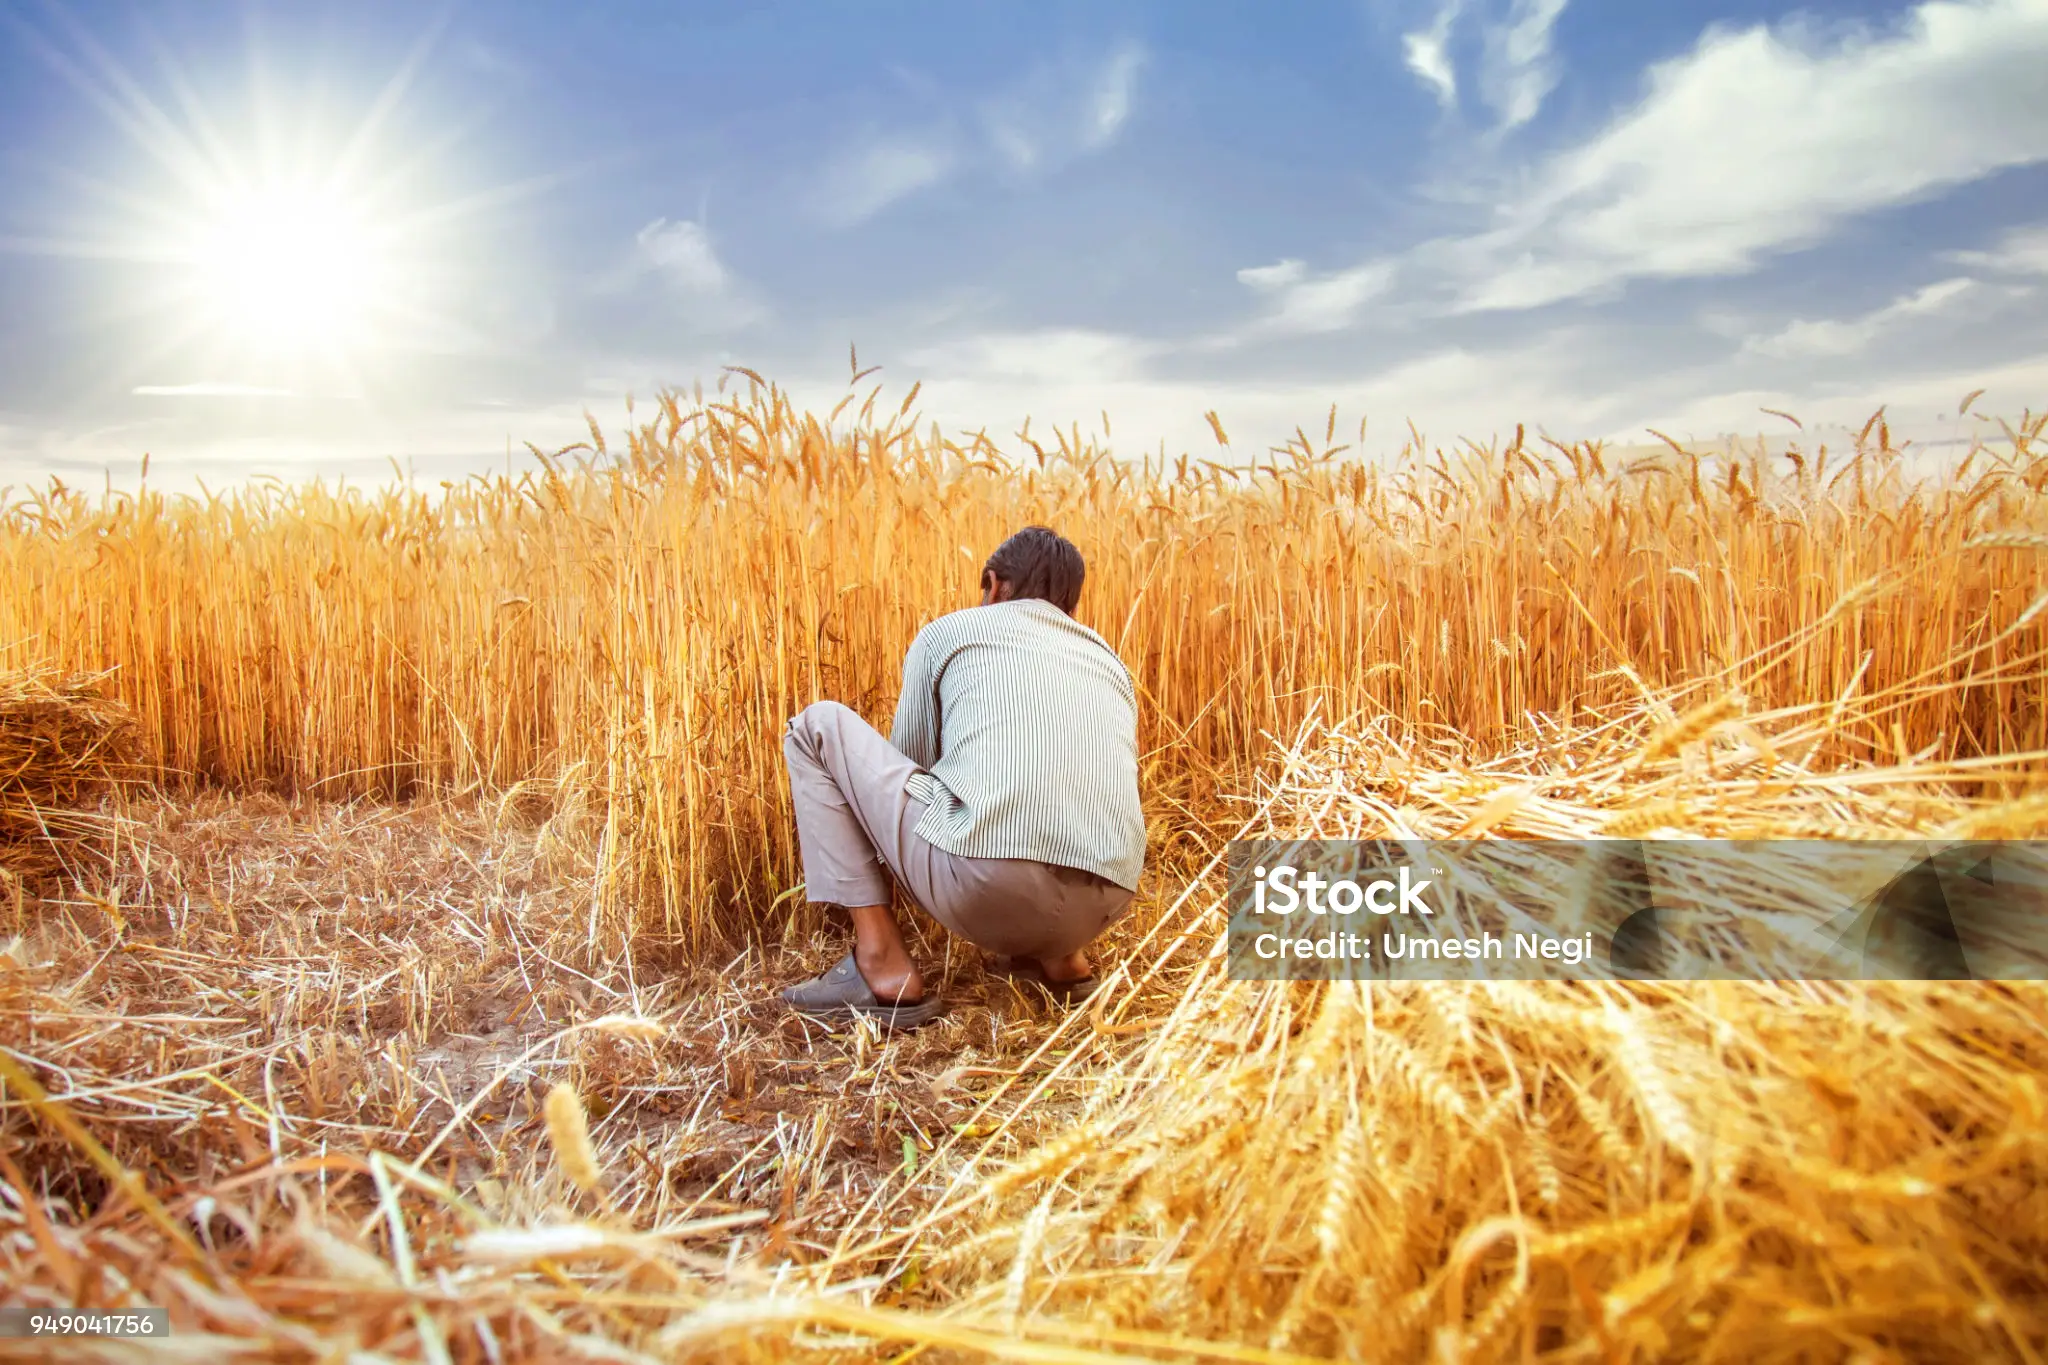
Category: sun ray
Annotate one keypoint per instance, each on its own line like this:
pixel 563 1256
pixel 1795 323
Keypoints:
pixel 126 103
pixel 301 242
pixel 388 99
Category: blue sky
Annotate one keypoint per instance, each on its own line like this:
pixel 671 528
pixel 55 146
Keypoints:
pixel 303 239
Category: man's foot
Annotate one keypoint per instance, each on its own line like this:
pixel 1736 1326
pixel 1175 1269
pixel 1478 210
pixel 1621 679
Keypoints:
pixel 891 976
pixel 1070 968
pixel 1065 990
pixel 883 961
pixel 842 993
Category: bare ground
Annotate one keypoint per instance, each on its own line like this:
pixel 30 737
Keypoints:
pixel 263 980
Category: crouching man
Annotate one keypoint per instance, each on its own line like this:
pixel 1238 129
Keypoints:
pixel 1005 803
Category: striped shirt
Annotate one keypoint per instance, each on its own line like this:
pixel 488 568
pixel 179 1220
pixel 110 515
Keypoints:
pixel 1025 724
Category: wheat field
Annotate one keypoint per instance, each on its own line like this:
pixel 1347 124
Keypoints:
pixel 412 992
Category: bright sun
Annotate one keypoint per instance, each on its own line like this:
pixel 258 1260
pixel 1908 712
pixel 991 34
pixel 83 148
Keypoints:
pixel 288 266
pixel 285 247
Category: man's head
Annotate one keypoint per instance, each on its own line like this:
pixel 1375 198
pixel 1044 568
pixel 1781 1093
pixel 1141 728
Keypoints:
pixel 1035 562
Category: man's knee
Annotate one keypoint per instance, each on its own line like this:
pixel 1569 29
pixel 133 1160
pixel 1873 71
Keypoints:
pixel 808 728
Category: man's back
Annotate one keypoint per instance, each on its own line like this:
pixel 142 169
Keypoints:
pixel 1025 722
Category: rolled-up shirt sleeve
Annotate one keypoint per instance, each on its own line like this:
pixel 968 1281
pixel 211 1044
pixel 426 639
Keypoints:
pixel 916 731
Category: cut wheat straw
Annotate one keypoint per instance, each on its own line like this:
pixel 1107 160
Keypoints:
pixel 483 876
pixel 63 747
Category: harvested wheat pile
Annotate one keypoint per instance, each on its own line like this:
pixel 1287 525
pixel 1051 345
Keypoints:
pixel 1434 1170
pixel 63 747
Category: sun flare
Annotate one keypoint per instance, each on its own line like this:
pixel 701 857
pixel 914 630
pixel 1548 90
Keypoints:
pixel 288 266
pixel 297 238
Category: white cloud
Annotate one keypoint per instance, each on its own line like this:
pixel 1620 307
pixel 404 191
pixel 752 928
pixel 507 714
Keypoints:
pixel 1053 115
pixel 1062 111
pixel 1013 142
pixel 682 254
pixel 1275 276
pixel 878 174
pixel 188 442
pixel 1114 92
pixel 2023 251
pixel 1307 305
pixel 1762 141
pixel 1058 376
pixel 1333 301
pixel 209 389
pixel 1076 354
pixel 1758 141
pixel 1427 53
pixel 1831 337
pixel 1518 70
pixel 682 257
pixel 1907 394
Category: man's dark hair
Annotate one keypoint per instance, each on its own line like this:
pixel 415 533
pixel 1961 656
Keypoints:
pixel 1037 562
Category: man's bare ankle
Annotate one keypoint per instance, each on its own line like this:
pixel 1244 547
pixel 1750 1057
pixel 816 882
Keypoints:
pixel 904 989
pixel 1068 967
pixel 893 982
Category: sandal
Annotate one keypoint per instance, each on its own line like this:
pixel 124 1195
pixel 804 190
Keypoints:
pixel 842 993
pixel 1026 971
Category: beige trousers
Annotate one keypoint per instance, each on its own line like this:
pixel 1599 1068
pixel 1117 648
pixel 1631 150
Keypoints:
pixel 858 826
